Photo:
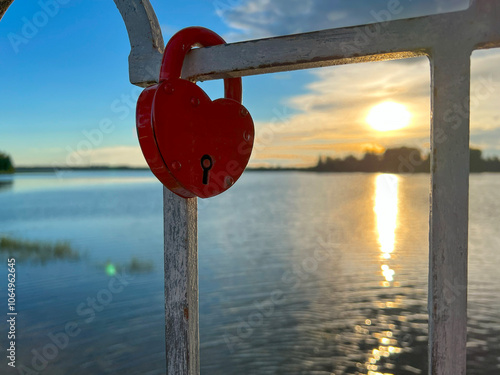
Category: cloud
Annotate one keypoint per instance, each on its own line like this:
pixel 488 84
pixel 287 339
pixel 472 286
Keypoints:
pixel 113 156
pixel 334 105
pixel 485 92
pixel 168 31
pixel 332 110
pixel 264 18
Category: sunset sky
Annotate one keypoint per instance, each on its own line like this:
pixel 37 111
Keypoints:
pixel 65 77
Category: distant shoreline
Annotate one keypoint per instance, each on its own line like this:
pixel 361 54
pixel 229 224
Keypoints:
pixel 45 169
pixel 398 160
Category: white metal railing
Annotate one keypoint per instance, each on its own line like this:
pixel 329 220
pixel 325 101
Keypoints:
pixel 448 40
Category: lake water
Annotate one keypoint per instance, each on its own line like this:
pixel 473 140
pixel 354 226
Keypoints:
pixel 300 273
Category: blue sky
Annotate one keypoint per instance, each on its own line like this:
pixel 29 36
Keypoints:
pixel 64 74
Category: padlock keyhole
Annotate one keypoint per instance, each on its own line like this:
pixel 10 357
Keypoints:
pixel 206 164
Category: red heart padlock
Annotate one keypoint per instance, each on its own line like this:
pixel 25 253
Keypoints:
pixel 195 146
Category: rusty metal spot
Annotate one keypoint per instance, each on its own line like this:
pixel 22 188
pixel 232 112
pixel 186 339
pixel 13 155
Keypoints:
pixel 186 313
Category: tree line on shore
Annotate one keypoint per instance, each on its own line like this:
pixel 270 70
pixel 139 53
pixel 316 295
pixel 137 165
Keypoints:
pixel 393 160
pixel 6 165
pixel 398 160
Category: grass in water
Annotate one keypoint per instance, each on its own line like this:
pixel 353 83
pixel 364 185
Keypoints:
pixel 135 265
pixel 37 251
pixel 139 266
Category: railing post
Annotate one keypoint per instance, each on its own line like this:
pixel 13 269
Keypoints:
pixel 181 284
pixel 450 67
pixel 146 41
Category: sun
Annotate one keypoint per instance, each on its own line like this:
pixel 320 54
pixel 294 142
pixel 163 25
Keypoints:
pixel 388 116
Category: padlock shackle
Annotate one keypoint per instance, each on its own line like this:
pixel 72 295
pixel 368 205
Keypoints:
pixel 178 47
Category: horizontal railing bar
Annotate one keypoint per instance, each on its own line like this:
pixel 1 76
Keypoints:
pixel 373 42
pixel 477 27
pixel 310 50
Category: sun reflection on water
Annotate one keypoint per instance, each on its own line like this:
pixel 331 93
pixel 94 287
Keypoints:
pixel 386 212
pixel 388 273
